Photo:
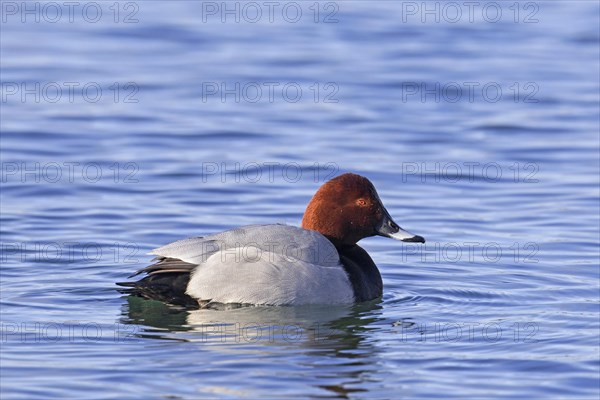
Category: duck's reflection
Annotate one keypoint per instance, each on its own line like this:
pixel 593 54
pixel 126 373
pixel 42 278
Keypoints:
pixel 338 334
pixel 268 325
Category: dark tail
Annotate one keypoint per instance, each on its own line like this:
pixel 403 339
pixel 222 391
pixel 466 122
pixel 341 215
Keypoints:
pixel 168 287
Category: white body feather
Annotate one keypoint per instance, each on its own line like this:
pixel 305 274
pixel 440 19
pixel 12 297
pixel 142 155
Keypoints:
pixel 264 264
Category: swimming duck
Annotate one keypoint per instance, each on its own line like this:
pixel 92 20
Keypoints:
pixel 319 263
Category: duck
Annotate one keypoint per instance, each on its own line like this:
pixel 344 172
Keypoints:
pixel 280 265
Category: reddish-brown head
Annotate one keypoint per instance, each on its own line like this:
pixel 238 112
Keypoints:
pixel 347 209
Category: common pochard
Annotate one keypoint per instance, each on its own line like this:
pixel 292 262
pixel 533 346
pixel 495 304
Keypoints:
pixel 319 263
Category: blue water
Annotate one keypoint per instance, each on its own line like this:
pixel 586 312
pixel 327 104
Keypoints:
pixel 480 133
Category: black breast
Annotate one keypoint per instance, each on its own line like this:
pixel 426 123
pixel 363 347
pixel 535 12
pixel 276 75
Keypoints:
pixel 363 273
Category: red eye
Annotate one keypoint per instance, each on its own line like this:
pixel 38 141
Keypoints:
pixel 361 202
